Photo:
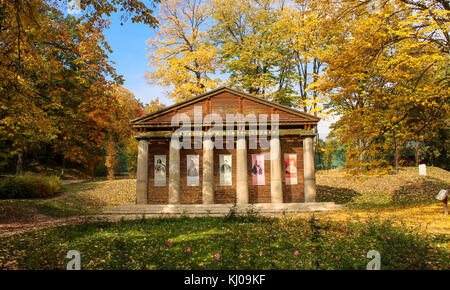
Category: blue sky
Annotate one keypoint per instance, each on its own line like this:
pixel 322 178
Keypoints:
pixel 130 55
pixel 128 43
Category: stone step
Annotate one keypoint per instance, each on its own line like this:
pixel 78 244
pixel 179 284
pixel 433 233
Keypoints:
pixel 228 205
pixel 220 209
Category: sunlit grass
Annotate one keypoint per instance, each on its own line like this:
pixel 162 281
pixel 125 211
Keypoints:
pixel 91 198
pixel 220 243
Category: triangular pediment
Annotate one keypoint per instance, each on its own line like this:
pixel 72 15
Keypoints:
pixel 224 101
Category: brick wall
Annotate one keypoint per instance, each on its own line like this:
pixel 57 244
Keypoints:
pixel 157 194
pixel 295 192
pixel 190 194
pixel 226 194
pixel 258 193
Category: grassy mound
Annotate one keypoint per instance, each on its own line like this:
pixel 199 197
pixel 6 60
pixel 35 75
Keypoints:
pixel 363 191
pixel 91 198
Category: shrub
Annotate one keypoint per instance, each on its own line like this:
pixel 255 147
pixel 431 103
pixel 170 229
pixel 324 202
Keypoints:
pixel 29 185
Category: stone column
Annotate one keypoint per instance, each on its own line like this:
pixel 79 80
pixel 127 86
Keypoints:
pixel 309 180
pixel 174 172
pixel 241 171
pixel 208 172
pixel 142 173
pixel 276 185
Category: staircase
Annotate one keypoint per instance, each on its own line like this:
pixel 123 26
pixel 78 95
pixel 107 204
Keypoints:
pixel 198 210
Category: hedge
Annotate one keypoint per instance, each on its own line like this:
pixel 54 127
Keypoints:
pixel 29 185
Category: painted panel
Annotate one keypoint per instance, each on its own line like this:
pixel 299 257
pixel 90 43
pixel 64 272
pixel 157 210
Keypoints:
pixel 258 175
pixel 193 170
pixel 226 177
pixel 160 170
pixel 290 166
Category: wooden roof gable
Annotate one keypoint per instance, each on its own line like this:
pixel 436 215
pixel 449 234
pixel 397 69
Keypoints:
pixel 224 101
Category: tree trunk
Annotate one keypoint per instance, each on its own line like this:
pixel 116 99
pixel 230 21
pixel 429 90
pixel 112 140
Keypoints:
pixel 417 155
pixel 361 154
pixel 396 157
pixel 64 166
pixel 19 167
pixel 110 171
pixel 396 153
pixel 110 159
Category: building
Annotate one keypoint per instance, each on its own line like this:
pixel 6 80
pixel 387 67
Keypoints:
pixel 225 147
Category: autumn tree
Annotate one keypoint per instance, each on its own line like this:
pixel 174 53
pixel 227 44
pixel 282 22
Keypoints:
pixel 132 146
pixel 429 21
pixel 306 32
pixel 271 48
pixel 55 78
pixel 387 85
pixel 249 48
pixel 181 53
pixel 94 10
pixel 153 106
pixel 24 119
pixel 119 132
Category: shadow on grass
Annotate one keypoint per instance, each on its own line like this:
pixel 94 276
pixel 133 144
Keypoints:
pixel 214 243
pixel 16 210
pixel 425 190
pixel 335 194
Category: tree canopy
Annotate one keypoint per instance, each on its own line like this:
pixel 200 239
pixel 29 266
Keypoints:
pixel 382 66
pixel 57 84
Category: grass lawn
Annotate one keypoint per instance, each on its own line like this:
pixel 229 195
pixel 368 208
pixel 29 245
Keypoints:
pixel 394 214
pixel 223 243
pixel 405 198
pixel 89 198
pixel 86 198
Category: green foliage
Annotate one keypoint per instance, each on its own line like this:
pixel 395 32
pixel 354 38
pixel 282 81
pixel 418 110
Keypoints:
pixel 131 152
pixel 60 94
pixel 100 170
pixel 232 214
pixel 260 244
pixel 250 215
pixel 437 146
pixel 330 154
pixel 29 185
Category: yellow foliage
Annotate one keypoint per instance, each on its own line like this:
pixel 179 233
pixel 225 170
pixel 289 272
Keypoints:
pixel 180 53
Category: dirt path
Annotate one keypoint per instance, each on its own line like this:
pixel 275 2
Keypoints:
pixel 19 216
pixel 42 222
pixel 67 194
pixel 65 182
